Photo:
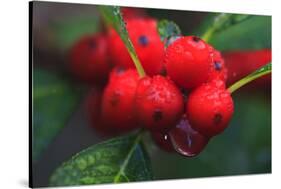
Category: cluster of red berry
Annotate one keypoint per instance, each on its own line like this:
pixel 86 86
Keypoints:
pixel 182 100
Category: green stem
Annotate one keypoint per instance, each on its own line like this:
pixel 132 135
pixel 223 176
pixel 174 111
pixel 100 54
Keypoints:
pixel 137 63
pixel 255 75
pixel 208 34
pixel 112 16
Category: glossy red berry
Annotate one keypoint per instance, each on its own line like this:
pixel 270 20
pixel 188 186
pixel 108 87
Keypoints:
pixel 118 99
pixel 89 60
pixel 209 109
pixel 146 40
pixel 218 68
pixel 159 103
pixel 186 140
pixel 188 61
pixel 163 141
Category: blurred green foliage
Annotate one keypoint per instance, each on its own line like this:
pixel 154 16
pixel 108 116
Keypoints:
pixel 54 100
pixel 65 32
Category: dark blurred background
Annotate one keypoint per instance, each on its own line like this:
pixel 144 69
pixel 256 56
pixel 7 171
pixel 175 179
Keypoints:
pixel 244 147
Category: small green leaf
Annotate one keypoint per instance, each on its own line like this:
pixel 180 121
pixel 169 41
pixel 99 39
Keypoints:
pixel 252 33
pixel 54 100
pixel 112 16
pixel 223 21
pixel 168 30
pixel 255 75
pixel 121 159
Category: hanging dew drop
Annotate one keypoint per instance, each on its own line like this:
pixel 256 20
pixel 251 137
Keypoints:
pixel 187 141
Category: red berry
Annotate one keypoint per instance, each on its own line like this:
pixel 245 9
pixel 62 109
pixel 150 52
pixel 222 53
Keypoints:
pixel 159 103
pixel 186 140
pixel 188 61
pixel 146 40
pixel 209 109
pixel 163 141
pixel 118 99
pixel 89 59
pixel 129 12
pixel 218 68
pixel 242 63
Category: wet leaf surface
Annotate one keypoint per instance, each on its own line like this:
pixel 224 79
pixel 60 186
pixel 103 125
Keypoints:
pixel 121 159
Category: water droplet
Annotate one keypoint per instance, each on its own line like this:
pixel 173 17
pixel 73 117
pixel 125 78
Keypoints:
pixel 187 141
pixel 163 141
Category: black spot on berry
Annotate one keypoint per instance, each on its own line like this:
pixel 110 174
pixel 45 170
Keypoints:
pixel 157 115
pixel 114 101
pixel 196 39
pixel 120 70
pixel 217 65
pixel 92 44
pixel 163 72
pixel 217 118
pixel 143 40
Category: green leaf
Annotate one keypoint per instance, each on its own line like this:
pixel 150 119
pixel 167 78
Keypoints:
pixel 54 100
pixel 168 30
pixel 223 21
pixel 121 159
pixel 65 32
pixel 112 16
pixel 252 33
pixel 251 77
